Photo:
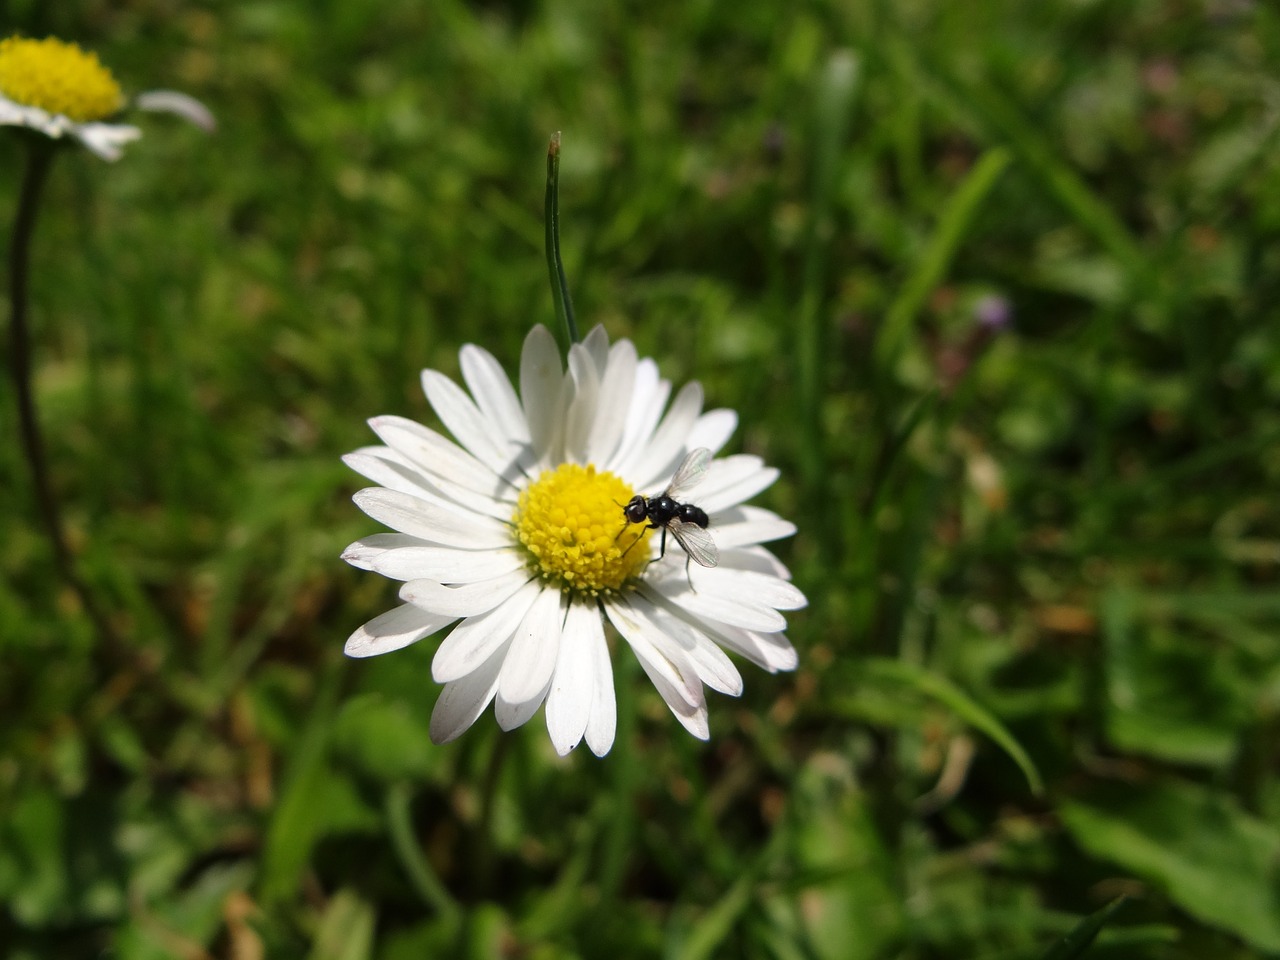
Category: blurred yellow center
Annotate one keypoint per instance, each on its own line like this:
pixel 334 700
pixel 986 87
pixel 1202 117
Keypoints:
pixel 57 77
pixel 570 520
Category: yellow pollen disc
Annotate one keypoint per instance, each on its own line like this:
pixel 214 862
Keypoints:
pixel 59 78
pixel 569 520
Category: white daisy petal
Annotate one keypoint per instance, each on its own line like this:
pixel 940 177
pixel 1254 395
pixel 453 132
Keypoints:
pixel 671 663
pixel 446 564
pixel 713 668
pixel 713 496
pixel 531 660
pixel 573 687
pixel 513 715
pixel 473 641
pixel 742 526
pixel 692 717
pixel 649 397
pixel 463 600
pixel 728 472
pixel 541 380
pixel 742 586
pixel 777 651
pixel 695 722
pixel 484 439
pixel 771 651
pixel 463 700
pixel 493 392
pixel 500 510
pixel 107 140
pixel 602 726
pixel 581 414
pixel 733 611
pixel 380 465
pixel 668 444
pixel 612 405
pixel 596 344
pixel 14 114
pixel 366 550
pixel 433 522
pixel 180 105
pixel 50 124
pixel 384 466
pixel 439 457
pixel 451 493
pixel 712 430
pixel 393 630
pixel 755 560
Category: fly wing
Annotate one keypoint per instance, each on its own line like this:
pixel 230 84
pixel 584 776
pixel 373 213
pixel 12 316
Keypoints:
pixel 690 472
pixel 696 541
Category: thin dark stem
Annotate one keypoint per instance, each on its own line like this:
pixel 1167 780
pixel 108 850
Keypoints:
pixel 484 849
pixel 396 805
pixel 555 266
pixel 39 159
pixel 619 803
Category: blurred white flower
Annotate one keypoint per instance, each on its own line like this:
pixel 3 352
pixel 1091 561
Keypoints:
pixel 518 531
pixel 57 89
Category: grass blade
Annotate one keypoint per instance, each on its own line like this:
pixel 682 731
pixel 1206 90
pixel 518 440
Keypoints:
pixel 930 270
pixel 1086 931
pixel 962 705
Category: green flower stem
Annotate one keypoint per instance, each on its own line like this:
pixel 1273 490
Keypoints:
pixel 39 160
pixel 396 804
pixel 833 99
pixel 555 266
pixel 619 804
pixel 484 847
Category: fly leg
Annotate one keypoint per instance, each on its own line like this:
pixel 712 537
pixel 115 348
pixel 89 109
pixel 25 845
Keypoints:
pixel 688 576
pixel 662 548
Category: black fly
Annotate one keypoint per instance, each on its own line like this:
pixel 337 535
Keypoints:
pixel 687 523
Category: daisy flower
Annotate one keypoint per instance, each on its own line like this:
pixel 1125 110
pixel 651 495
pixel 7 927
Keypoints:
pixel 518 532
pixel 57 89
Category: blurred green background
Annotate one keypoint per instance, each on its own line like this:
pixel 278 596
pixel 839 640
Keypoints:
pixel 994 283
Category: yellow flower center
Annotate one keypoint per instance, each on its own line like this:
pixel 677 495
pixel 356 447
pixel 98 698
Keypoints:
pixel 59 78
pixel 570 520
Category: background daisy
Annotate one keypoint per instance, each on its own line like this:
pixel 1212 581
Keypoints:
pixel 59 90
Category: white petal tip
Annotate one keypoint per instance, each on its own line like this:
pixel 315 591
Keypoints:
pixel 361 645
pixel 357 556
pixel 180 105
pixel 441 737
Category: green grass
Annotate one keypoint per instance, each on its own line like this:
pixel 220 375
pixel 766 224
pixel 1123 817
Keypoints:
pixel 1041 662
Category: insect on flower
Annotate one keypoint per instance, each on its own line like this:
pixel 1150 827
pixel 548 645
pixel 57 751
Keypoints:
pixel 687 523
